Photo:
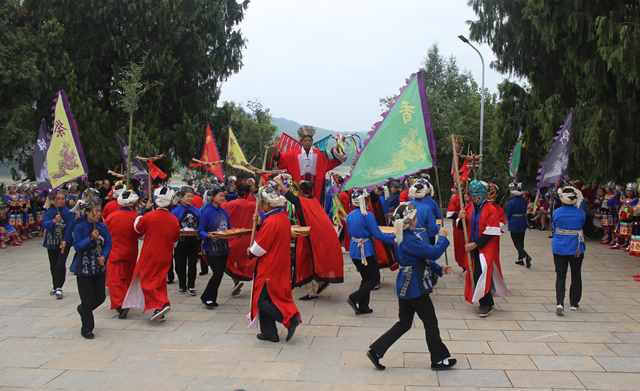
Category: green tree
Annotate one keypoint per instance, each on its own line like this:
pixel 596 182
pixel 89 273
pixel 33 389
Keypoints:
pixel 191 47
pixel 581 55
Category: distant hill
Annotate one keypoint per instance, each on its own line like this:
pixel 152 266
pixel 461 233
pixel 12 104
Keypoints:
pixel 290 127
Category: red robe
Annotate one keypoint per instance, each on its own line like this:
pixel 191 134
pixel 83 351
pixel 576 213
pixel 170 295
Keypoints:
pixel 124 252
pixel 109 208
pixel 491 279
pixel 318 256
pixel 273 268
pixel 453 209
pixel 239 265
pixel 289 161
pixel 148 288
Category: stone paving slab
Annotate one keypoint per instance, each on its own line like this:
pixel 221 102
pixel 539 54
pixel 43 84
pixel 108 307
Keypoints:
pixel 522 346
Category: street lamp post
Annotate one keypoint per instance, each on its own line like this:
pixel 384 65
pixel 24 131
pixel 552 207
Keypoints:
pixel 465 40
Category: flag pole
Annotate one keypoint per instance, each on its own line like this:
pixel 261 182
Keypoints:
pixel 435 168
pixel 456 177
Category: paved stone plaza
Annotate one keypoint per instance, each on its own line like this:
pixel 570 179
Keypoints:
pixel 523 345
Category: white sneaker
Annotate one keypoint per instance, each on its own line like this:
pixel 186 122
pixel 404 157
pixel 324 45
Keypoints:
pixel 59 295
pixel 53 292
pixel 559 310
pixel 573 308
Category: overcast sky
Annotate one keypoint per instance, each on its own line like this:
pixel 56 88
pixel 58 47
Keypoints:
pixel 327 62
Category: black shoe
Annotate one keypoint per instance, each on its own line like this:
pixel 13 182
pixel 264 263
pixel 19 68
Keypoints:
pixel 528 262
pixel 364 311
pixel 87 335
pixel 322 287
pixel 263 337
pixel 237 288
pixel 210 304
pixel 377 287
pixel 443 366
pixel 169 282
pixel 79 310
pixel 520 262
pixel 484 311
pixel 353 305
pixel 159 314
pixel 122 313
pixel 308 297
pixel 204 273
pixel 375 360
pixel 295 322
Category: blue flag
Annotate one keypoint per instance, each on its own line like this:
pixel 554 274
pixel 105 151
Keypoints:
pixel 40 156
pixel 555 165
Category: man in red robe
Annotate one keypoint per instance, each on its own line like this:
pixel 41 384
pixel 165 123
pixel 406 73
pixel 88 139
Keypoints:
pixel 309 164
pixel 319 255
pixel 271 298
pixel 112 205
pixel 124 250
pixel 483 219
pixel 453 210
pixel 161 229
pixel 240 266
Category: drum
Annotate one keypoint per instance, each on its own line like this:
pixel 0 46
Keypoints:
pixel 606 220
pixel 625 229
pixel 634 246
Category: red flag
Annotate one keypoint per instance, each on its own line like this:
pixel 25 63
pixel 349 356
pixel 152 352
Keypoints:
pixel 285 144
pixel 155 171
pixel 210 154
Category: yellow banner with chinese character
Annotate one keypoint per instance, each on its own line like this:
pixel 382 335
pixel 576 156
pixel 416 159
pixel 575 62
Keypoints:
pixel 65 159
pixel 235 156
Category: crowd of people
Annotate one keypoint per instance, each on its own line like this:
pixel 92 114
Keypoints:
pixel 397 226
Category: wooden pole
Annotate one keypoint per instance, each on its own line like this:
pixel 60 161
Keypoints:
pixel 255 212
pixel 456 177
pixel 435 168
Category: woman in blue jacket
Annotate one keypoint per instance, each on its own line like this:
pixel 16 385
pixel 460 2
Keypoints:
pixel 516 213
pixel 92 242
pixel 363 228
pixel 188 247
pixel 57 224
pixel 413 285
pixel 213 218
pixel 568 246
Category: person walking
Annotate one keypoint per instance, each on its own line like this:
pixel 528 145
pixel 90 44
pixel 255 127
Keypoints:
pixel 516 213
pixel 413 286
pixel 568 246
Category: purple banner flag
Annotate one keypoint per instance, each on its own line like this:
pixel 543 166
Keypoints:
pixel 555 165
pixel 40 156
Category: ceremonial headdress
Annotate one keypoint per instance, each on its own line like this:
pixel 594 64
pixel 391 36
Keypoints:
pixel 91 195
pixel 478 189
pixel 569 195
pixel 515 188
pixel 212 191
pixel 306 131
pixel 269 195
pixel 127 198
pixel 285 178
pixel 163 196
pixel 420 188
pixel 118 188
pixel 402 218
pixel 359 199
pixel 631 187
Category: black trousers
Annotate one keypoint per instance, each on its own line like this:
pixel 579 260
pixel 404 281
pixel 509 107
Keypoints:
pixel 518 243
pixel 407 308
pixel 92 295
pixel 58 266
pixel 563 262
pixel 370 279
pixel 487 300
pixel 186 261
pixel 171 275
pixel 218 265
pixel 269 314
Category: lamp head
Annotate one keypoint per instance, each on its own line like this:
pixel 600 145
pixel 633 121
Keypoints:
pixel 463 38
